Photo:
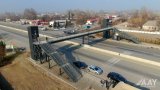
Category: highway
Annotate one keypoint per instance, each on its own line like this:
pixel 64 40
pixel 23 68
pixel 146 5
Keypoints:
pixel 129 49
pixel 133 71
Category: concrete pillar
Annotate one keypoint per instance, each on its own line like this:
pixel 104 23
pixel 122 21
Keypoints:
pixel 33 35
pixel 106 23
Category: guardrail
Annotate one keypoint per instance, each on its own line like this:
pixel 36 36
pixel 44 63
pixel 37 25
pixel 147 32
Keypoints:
pixel 136 31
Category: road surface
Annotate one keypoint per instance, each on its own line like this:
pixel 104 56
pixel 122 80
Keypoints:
pixel 129 49
pixel 135 72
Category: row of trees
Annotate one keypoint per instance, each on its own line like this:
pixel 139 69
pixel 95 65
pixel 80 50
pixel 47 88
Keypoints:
pixel 27 14
pixel 83 16
pixel 31 14
pixel 139 17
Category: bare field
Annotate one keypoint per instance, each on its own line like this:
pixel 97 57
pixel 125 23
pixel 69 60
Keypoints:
pixel 21 75
pixel 146 36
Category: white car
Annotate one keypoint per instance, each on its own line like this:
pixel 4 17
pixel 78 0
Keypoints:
pixel 42 28
pixel 95 69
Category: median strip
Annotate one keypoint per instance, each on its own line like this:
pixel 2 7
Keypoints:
pixel 137 59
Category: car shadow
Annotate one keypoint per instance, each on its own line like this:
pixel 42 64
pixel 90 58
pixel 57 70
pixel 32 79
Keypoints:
pixel 4 84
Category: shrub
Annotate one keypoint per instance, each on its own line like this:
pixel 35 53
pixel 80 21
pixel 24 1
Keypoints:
pixel 2 43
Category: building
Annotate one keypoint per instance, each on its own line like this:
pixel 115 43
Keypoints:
pixel 122 25
pixel 58 23
pixel 92 21
pixel 150 25
pixel 39 22
pixel 8 20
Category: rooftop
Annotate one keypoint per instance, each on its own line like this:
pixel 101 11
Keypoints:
pixel 151 23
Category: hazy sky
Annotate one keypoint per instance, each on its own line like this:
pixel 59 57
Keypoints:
pixel 62 5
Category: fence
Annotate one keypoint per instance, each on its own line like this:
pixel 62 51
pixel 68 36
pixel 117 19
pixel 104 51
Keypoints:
pixel 136 31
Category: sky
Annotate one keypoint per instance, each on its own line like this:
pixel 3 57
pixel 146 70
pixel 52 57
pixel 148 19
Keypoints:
pixel 63 5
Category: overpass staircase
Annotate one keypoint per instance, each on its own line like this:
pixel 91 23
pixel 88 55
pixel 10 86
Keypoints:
pixel 73 73
pixel 127 36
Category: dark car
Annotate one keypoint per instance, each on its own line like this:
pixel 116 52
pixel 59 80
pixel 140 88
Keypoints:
pixel 116 76
pixel 70 32
pixel 80 65
pixel 21 49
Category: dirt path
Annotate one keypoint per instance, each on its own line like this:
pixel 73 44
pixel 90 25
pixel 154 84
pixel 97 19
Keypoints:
pixel 23 76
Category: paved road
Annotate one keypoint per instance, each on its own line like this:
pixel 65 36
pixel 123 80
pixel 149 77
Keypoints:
pixel 133 71
pixel 15 39
pixel 142 52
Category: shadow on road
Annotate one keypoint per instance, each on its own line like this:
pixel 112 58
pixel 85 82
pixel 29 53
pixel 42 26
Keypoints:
pixel 4 84
pixel 92 42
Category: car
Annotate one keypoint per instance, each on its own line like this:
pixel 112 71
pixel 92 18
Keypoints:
pixel 95 69
pixel 70 32
pixel 21 49
pixel 117 77
pixel 42 28
pixel 80 65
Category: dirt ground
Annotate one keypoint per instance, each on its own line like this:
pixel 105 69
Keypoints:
pixel 21 75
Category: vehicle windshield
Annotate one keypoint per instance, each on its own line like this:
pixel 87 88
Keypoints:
pixel 96 68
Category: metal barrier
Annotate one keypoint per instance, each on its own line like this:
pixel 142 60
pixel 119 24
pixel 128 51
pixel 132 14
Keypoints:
pixel 68 68
pixel 127 36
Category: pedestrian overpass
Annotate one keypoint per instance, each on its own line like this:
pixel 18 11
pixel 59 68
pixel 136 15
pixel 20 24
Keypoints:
pixel 39 49
pixel 108 33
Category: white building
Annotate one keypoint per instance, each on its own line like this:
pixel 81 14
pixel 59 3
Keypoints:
pixel 150 25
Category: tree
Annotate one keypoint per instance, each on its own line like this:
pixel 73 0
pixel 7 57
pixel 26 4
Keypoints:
pixel 139 17
pixel 2 17
pixel 46 18
pixel 30 14
pixel 81 17
pixel 12 16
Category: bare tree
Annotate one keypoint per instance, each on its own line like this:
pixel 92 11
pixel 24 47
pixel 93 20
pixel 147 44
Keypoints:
pixel 139 17
pixel 2 17
pixel 82 16
pixel 46 18
pixel 12 16
pixel 30 14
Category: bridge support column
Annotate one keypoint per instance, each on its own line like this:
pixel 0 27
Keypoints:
pixel 83 40
pixel 106 34
pixel 33 35
pixel 106 23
